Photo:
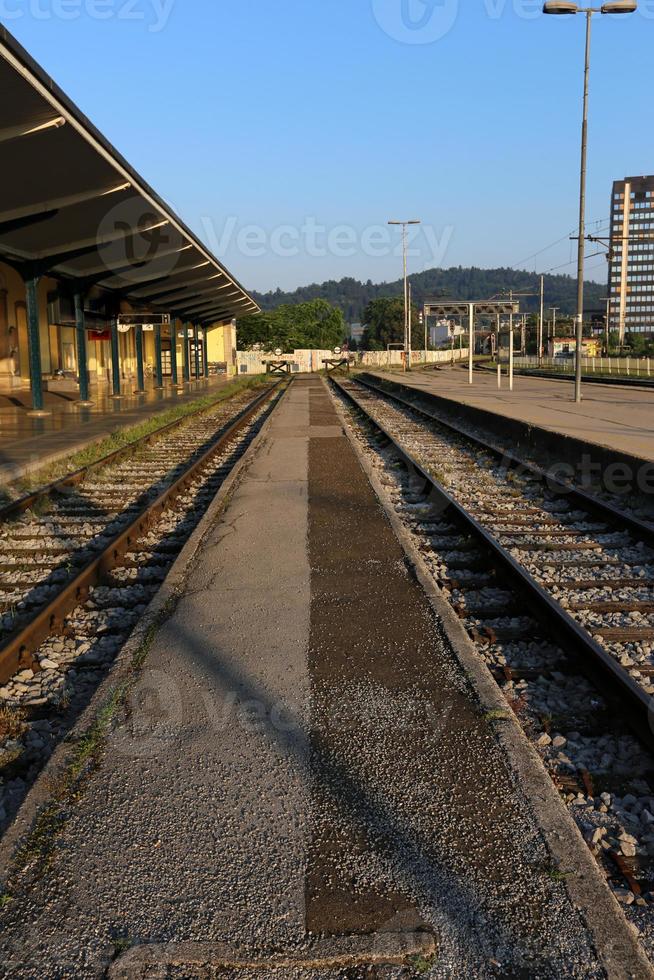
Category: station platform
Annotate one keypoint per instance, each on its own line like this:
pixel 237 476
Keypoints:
pixel 28 442
pixel 302 757
pixel 618 418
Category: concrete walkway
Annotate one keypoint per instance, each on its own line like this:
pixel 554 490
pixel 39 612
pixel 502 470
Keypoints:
pixel 302 755
pixel 619 418
pixel 27 443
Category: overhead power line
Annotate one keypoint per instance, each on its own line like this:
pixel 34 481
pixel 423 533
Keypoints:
pixel 559 241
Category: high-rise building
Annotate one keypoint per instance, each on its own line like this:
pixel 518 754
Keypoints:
pixel 631 256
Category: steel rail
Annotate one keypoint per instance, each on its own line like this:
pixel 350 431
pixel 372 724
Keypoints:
pixel 17 649
pixel 555 620
pixel 21 504
pixel 582 498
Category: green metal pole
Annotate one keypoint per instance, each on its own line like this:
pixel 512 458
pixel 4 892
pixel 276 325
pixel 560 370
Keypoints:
pixel 115 357
pixel 205 354
pixel 173 348
pixel 139 358
pixel 197 351
pixel 80 336
pixel 187 366
pixel 34 342
pixel 157 355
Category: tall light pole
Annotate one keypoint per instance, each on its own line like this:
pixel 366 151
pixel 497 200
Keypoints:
pixel 607 327
pixel 407 350
pixel 568 7
pixel 553 311
pixel 540 320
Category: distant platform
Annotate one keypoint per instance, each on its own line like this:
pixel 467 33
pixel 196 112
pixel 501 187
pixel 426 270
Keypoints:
pixel 27 443
pixel 617 418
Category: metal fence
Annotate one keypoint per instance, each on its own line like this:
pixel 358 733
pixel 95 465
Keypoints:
pixel 625 366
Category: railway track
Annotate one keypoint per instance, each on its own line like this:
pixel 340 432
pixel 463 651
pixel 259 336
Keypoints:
pixel 556 589
pixel 80 561
pixel 580 562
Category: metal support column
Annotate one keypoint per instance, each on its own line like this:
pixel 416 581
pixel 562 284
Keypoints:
pixel 197 351
pixel 186 353
pixel 541 317
pixel 115 358
pixel 140 376
pixel 34 344
pixel 408 327
pixel 205 355
pixel 82 363
pixel 581 244
pixel 173 349
pixel 157 356
pixel 471 339
pixel 511 355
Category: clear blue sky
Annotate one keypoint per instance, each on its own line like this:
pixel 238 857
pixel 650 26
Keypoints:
pixel 267 113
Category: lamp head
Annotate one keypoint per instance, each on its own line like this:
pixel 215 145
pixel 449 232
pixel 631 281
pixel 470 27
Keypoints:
pixel 560 7
pixel 620 7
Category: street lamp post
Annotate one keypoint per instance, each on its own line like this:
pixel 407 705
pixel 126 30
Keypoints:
pixel 607 328
pixel 553 311
pixel 407 351
pixel 568 7
pixel 540 321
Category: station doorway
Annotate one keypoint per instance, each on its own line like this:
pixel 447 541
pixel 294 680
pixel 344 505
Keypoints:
pixel 166 358
pixel 191 348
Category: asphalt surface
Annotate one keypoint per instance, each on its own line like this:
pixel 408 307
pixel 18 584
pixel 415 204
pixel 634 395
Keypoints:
pixel 301 755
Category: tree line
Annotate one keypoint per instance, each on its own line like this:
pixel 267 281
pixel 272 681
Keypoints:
pixel 316 324
pixel 352 297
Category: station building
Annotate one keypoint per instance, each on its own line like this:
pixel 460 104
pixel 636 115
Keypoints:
pixel 101 283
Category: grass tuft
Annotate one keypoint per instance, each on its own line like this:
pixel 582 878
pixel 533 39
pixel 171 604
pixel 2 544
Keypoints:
pixel 421 964
pixel 121 945
pixel 496 714
pixel 555 874
pixel 12 723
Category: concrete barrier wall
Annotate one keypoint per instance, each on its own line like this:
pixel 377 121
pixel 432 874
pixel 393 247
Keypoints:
pixel 306 361
pixel 302 361
pixel 383 358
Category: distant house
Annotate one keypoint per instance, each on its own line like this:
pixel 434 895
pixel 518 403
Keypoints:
pixel 443 331
pixel 566 346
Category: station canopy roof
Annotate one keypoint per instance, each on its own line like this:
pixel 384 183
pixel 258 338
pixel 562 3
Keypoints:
pixel 72 207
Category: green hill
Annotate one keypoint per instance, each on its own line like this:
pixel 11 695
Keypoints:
pixel 352 296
